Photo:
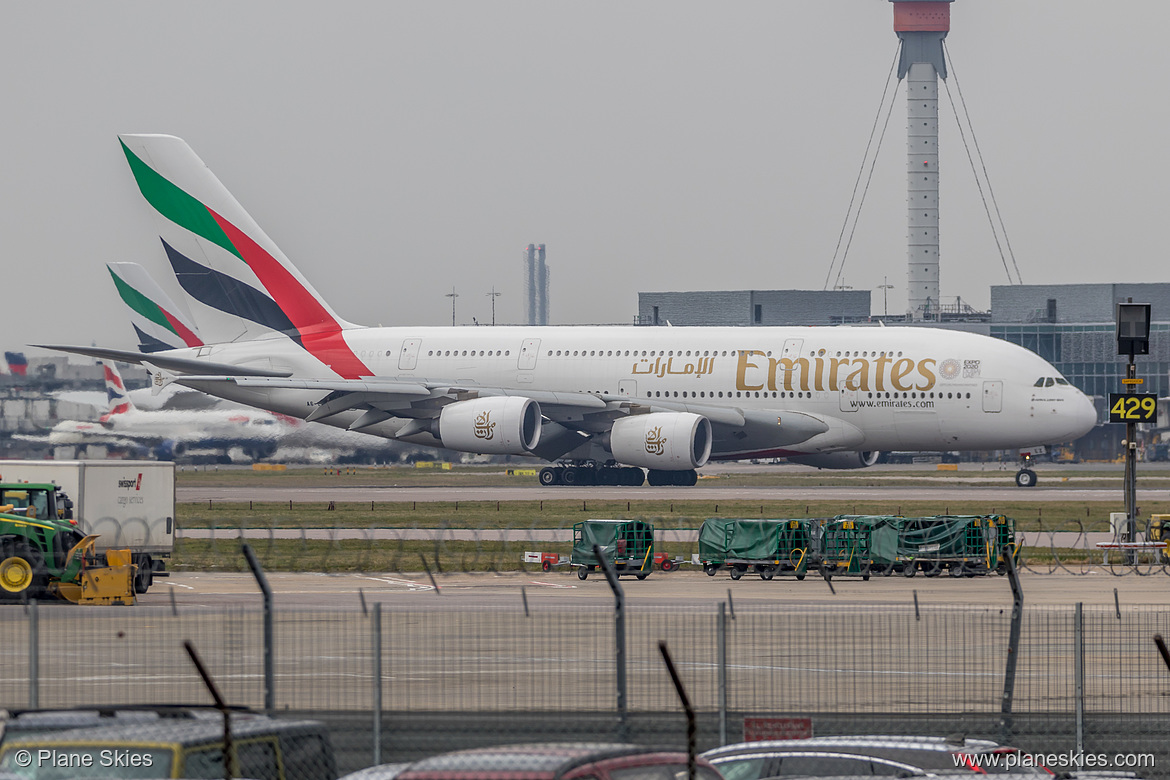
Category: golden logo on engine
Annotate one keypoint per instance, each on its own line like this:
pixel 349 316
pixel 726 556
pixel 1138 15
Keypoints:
pixel 655 441
pixel 484 427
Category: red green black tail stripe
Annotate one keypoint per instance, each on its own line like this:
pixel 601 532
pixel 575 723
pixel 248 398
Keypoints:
pixel 319 332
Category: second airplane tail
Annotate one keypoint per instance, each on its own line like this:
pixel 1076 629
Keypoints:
pixel 156 319
pixel 119 400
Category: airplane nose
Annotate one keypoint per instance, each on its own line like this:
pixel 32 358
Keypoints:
pixel 1083 417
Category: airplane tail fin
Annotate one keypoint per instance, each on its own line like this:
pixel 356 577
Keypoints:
pixel 155 317
pixel 241 286
pixel 119 399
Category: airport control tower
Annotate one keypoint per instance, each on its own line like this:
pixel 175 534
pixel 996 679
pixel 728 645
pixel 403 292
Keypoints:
pixel 922 25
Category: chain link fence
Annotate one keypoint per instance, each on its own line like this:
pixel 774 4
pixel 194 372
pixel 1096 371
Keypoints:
pixel 396 684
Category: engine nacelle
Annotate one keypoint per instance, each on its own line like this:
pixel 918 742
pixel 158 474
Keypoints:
pixel 501 425
pixel 170 449
pixel 669 441
pixel 837 460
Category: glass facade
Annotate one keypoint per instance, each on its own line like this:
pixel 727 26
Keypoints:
pixel 1086 354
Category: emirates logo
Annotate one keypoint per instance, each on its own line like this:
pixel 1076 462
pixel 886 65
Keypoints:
pixel 655 441
pixel 484 427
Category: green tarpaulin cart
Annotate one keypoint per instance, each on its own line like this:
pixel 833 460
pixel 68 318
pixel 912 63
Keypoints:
pixel 860 544
pixel 961 545
pixel 627 544
pixel 767 546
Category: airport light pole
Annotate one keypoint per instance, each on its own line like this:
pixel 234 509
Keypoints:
pixel 885 288
pixel 452 295
pixel 493 295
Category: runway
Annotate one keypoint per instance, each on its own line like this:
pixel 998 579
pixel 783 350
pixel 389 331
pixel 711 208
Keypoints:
pixel 999 494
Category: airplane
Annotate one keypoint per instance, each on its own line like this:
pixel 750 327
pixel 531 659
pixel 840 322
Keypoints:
pixel 604 404
pixel 171 434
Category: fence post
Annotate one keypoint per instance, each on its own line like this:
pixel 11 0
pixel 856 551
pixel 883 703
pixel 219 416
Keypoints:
pixel 34 656
pixel 377 636
pixel 262 581
pixel 1079 663
pixel 619 633
pixel 721 651
pixel 1009 676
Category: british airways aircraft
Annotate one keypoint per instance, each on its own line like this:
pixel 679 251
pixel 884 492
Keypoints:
pixel 610 405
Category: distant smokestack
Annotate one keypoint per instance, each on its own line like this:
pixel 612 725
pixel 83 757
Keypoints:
pixel 541 287
pixel 530 282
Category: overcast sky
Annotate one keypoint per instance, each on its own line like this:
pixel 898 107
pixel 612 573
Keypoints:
pixel 393 149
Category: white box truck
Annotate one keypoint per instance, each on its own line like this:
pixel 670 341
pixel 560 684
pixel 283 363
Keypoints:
pixel 130 503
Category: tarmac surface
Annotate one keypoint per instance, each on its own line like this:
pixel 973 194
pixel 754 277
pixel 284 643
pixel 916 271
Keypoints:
pixel 561 589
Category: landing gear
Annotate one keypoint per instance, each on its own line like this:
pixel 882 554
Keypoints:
pixel 658 478
pixel 589 473
pixel 1025 478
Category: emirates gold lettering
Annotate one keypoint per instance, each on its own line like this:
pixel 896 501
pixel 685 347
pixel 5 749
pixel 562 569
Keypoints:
pixel 880 373
pixel 655 441
pixel 483 427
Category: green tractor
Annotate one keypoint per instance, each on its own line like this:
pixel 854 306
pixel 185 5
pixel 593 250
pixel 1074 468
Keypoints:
pixel 42 552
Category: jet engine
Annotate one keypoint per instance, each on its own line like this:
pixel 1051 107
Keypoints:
pixel 668 441
pixel 495 426
pixel 837 460
pixel 170 449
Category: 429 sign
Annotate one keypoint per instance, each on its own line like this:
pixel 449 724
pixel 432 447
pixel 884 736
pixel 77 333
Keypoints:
pixel 1133 407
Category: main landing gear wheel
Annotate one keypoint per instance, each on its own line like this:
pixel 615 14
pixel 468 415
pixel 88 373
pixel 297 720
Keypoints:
pixel 1025 478
pixel 549 476
pixel 660 478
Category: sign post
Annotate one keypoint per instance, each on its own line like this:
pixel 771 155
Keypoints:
pixel 1133 338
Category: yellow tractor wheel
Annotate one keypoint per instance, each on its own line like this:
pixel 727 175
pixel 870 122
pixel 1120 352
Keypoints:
pixel 16 574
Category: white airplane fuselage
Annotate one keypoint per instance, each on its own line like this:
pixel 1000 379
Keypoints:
pixel 897 388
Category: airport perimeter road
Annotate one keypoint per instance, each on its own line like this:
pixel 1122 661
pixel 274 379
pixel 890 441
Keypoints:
pixel 561 589
pixel 1008 492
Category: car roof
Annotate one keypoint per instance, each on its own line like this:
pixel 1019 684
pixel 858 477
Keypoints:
pixel 878 742
pixel 549 759
pixel 194 731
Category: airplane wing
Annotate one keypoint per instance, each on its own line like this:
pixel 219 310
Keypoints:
pixel 581 414
pixel 182 365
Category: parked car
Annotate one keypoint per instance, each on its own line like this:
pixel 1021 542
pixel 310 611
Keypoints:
pixel 22 722
pixel 264 748
pixel 863 755
pixel 379 772
pixel 559 761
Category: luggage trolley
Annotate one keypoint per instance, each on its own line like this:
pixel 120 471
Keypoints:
pixel 628 544
pixel 860 544
pixel 765 546
pixel 961 545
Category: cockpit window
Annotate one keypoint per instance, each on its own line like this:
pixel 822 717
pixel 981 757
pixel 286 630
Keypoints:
pixel 1049 382
pixel 1061 380
pixel 1039 382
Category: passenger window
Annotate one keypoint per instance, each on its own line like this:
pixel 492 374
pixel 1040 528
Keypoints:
pixel 751 769
pixel 253 760
pixel 823 766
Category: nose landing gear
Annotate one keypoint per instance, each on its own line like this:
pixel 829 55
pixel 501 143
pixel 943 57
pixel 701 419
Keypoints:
pixel 1025 477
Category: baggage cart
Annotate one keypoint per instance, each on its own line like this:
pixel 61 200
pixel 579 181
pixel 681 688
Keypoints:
pixel 627 544
pixel 768 546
